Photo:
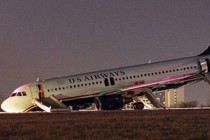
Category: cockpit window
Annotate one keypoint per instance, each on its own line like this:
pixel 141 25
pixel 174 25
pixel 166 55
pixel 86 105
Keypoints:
pixel 19 94
pixel 13 94
pixel 24 93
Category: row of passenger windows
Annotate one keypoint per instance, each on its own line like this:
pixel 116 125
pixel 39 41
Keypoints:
pixel 75 86
pixel 112 81
pixel 156 73
pixel 18 94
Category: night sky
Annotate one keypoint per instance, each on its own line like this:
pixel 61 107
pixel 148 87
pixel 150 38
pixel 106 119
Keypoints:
pixel 55 38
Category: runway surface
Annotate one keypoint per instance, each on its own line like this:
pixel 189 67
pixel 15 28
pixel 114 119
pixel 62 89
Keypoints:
pixel 146 124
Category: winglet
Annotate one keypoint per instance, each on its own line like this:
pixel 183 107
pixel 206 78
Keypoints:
pixel 206 52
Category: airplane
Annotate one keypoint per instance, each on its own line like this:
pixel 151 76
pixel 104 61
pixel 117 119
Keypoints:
pixel 110 89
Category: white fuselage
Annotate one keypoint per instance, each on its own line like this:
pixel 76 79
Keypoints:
pixel 89 84
pixel 95 83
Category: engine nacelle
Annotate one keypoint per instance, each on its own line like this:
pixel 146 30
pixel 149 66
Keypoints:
pixel 111 102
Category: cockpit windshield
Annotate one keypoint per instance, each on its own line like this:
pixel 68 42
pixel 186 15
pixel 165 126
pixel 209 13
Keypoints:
pixel 18 94
pixel 13 94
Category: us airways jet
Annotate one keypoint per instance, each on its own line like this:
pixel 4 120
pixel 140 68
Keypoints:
pixel 108 89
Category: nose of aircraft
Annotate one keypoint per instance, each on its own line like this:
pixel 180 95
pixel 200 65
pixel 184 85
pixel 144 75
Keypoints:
pixel 6 106
pixel 9 106
pixel 17 104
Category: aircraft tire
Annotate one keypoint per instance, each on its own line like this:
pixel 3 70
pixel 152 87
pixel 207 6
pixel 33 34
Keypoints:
pixel 97 103
pixel 138 106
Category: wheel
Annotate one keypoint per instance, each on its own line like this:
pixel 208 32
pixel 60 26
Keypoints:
pixel 97 103
pixel 138 105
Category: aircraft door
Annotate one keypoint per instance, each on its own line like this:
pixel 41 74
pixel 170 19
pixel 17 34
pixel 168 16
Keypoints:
pixel 204 65
pixel 41 91
pixel 37 91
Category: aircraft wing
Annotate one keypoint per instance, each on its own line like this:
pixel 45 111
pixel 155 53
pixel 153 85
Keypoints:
pixel 163 81
pixel 154 84
pixel 147 87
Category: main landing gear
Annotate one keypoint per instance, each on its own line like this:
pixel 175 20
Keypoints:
pixel 138 106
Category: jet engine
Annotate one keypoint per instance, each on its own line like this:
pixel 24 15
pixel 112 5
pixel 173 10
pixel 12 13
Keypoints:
pixel 111 102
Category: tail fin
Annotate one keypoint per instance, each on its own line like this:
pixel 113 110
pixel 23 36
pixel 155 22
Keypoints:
pixel 206 52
